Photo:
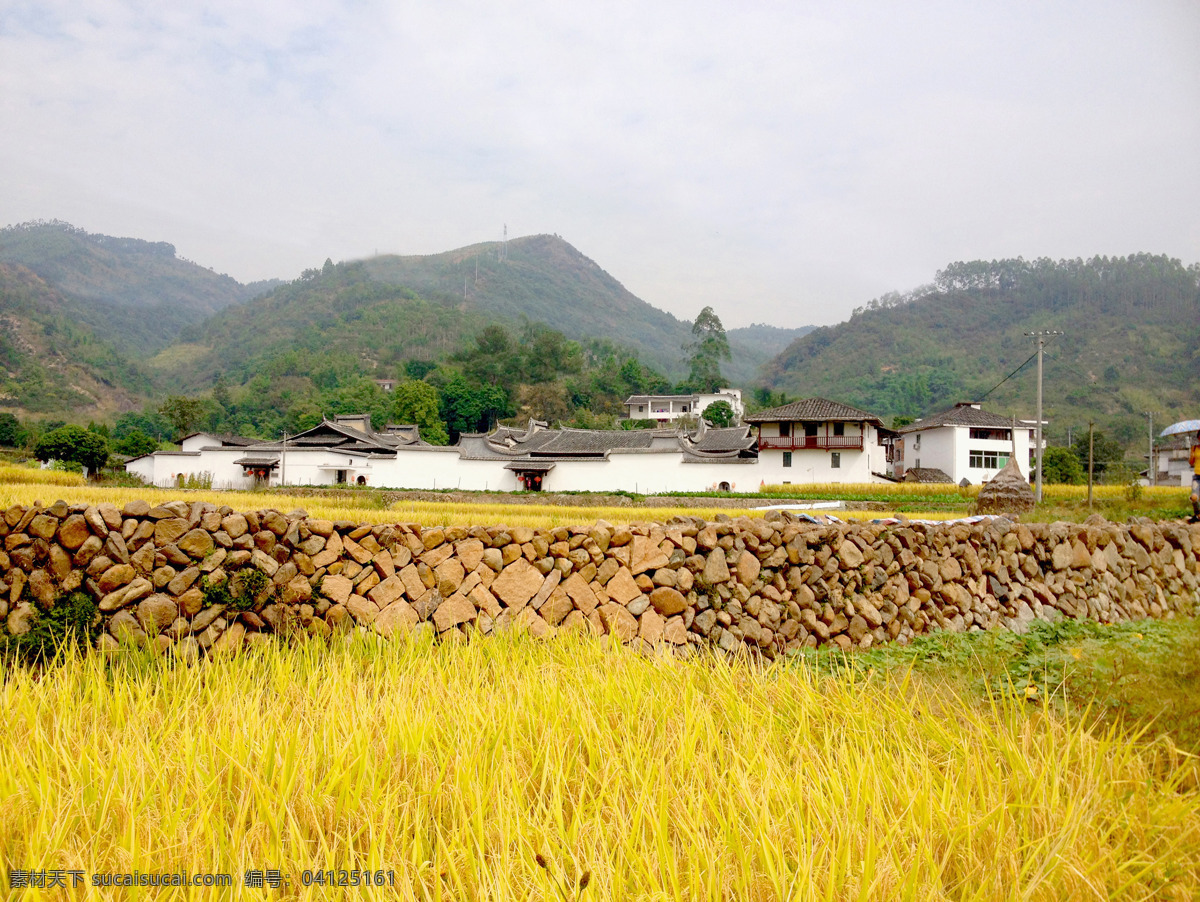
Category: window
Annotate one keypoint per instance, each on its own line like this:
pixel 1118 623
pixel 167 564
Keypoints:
pixel 987 460
pixel 787 458
pixel 917 465
pixel 785 430
pixel 641 408
pixel 685 408
pixel 839 428
pixel 998 435
pixel 835 460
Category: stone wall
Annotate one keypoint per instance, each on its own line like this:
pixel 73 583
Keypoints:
pixel 203 577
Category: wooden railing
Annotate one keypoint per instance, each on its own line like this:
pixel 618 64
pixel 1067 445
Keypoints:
pixel 810 443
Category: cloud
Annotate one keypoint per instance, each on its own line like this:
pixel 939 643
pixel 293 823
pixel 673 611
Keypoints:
pixel 782 162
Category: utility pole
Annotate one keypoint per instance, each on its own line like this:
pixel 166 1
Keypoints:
pixel 1091 462
pixel 283 461
pixel 1041 344
pixel 1153 467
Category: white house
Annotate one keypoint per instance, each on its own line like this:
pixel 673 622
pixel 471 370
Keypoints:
pixel 1171 458
pixel 668 408
pixel 966 442
pixel 816 440
pixel 348 451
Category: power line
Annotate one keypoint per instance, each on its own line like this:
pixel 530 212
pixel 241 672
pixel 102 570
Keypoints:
pixel 1009 376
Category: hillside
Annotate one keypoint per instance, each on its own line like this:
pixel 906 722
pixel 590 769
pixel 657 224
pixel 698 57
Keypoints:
pixel 336 319
pixel 1131 344
pixel 51 363
pixel 544 279
pixel 136 295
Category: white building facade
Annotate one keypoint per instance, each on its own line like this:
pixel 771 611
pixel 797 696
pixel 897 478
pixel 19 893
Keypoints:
pixel 966 442
pixel 816 441
pixel 666 409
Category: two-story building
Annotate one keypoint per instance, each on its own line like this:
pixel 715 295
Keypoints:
pixel 817 440
pixel 966 442
pixel 668 408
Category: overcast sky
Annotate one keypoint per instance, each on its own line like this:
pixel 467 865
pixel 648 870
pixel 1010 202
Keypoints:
pixel 782 162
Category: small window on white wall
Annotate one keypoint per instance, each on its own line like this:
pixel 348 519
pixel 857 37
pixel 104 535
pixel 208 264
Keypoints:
pixel 835 460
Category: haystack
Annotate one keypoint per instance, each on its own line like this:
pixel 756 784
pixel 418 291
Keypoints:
pixel 1007 493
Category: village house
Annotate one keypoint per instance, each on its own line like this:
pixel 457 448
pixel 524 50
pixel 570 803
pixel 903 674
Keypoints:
pixel 817 440
pixel 965 442
pixel 668 408
pixel 1171 460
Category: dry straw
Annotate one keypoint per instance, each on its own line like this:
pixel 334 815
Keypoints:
pixel 455 766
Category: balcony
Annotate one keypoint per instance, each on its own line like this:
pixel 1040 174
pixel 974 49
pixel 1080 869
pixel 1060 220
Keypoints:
pixel 810 443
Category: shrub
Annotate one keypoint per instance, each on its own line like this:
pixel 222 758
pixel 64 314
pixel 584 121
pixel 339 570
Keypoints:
pixel 72 623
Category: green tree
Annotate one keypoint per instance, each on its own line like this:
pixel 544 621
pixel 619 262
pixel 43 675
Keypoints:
pixel 11 433
pixel 1061 466
pixel 708 348
pixel 184 414
pixel 136 443
pixel 1105 453
pixel 73 444
pixel 719 414
pixel 417 403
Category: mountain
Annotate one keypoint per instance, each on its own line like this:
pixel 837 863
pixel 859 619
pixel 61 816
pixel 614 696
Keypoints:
pixel 137 295
pixel 1130 343
pixel 544 279
pixel 335 320
pixel 51 363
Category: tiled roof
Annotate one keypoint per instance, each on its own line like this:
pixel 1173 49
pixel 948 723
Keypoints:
pixel 593 441
pixel 818 409
pixel 961 415
pixel 927 474
pixel 734 438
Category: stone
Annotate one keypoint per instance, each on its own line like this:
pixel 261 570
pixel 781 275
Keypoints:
pixel 517 583
pixel 297 590
pixel 183 581
pixel 230 641
pixel 337 589
pixel 450 575
pixel 115 576
pixel 747 568
pixel 168 531
pixel 399 615
pixel 618 621
pixel 675 632
pixel 650 627
pixel 388 591
pixel 668 601
pixel 580 593
pixel 452 611
pixel 362 609
pixel 264 562
pixel 850 555
pixel 716 568
pixel 20 619
pixel 557 607
pixel 622 588
pixel 196 544
pixel 156 613
pixel 645 555
pixel 91 547
pixel 73 532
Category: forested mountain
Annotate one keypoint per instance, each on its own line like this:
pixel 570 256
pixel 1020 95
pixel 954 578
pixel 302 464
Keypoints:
pixel 51 363
pixel 544 279
pixel 1130 344
pixel 134 294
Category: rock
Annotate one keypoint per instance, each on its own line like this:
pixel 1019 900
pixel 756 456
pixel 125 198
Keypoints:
pixel 716 568
pixel 650 627
pixel 73 532
pixel 363 610
pixel 517 583
pixel 398 615
pixel 850 555
pixel 168 531
pixel 196 544
pixel 454 610
pixel 230 641
pixel 747 568
pixel 557 607
pixel 20 619
pixel 183 581
pixel 618 621
pixel 156 613
pixel 667 601
pixel 115 576
pixel 297 590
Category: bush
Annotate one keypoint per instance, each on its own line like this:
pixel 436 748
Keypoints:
pixel 73 623
pixel 73 444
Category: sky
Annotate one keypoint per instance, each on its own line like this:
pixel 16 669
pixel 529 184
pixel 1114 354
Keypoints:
pixel 781 162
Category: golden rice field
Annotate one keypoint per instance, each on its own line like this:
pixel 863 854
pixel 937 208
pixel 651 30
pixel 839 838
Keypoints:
pixel 451 768
pixel 1051 493
pixel 19 485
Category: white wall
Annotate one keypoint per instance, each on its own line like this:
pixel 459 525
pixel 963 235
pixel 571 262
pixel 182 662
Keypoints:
pixel 949 448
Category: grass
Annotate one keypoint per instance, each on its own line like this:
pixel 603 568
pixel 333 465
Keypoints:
pixel 457 766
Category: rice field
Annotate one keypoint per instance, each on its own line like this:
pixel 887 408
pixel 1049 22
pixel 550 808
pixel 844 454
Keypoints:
pixel 510 769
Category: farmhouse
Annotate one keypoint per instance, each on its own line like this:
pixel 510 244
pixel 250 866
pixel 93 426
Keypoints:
pixel 666 409
pixel 347 450
pixel 816 440
pixel 966 442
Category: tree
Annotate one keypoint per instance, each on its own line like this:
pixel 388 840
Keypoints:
pixel 709 348
pixel 719 414
pixel 136 443
pixel 1105 451
pixel 417 403
pixel 1061 466
pixel 73 444
pixel 11 433
pixel 183 413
